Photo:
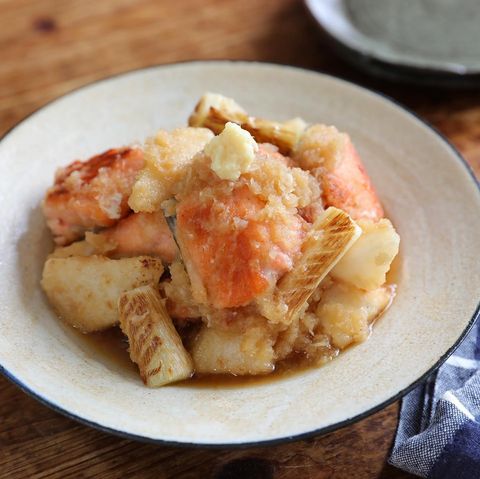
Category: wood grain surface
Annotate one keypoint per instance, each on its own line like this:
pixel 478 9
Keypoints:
pixel 50 47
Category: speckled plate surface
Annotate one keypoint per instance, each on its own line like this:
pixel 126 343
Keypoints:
pixel 426 187
pixel 422 41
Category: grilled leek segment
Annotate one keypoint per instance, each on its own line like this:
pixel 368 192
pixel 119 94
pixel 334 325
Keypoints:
pixel 155 345
pixel 330 238
pixel 213 111
pixel 84 290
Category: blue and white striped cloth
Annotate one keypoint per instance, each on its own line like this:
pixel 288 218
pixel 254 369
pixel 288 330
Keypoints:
pixel 438 436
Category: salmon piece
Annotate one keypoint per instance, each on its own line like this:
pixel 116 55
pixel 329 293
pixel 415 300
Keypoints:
pixel 234 252
pixel 91 194
pixel 136 235
pixel 349 188
pixel 331 157
pixel 320 149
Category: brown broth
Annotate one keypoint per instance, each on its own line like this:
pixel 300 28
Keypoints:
pixel 111 348
pixel 285 369
pixel 395 272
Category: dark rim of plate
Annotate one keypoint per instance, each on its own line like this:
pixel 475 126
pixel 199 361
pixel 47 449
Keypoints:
pixel 395 71
pixel 285 439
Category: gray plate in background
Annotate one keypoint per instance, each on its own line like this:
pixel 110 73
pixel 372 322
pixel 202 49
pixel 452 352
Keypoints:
pixel 424 41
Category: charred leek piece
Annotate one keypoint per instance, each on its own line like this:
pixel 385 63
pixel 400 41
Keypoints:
pixel 214 111
pixel 155 345
pixel 330 238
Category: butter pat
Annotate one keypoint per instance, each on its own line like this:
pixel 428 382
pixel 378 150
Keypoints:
pixel 231 152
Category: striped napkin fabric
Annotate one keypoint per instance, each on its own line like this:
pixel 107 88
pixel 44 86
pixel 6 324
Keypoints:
pixel 438 435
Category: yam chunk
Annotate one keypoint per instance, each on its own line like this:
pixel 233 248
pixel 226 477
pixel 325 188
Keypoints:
pixel 85 290
pixel 367 262
pixel 230 351
pixel 346 312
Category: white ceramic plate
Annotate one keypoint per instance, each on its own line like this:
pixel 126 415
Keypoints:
pixel 426 187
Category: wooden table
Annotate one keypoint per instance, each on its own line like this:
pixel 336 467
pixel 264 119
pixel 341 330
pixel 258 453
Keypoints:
pixel 50 47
